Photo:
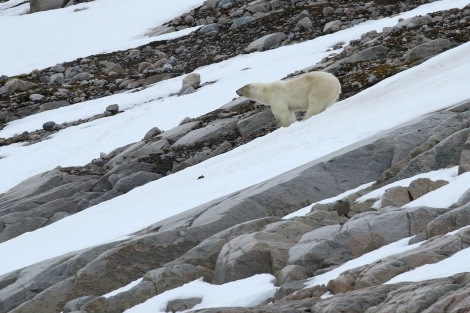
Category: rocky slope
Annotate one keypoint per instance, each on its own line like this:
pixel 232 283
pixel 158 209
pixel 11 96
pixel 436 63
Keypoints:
pixel 206 241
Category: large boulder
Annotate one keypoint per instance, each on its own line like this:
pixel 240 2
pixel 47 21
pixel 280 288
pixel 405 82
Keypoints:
pixel 359 235
pixel 15 85
pixel 251 254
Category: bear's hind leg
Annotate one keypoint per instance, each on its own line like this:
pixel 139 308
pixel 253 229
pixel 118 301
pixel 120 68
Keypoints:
pixel 314 108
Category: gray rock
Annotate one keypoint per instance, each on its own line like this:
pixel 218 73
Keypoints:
pixel 112 109
pixel 292 273
pixel 152 133
pixel 138 150
pixel 76 304
pixel 148 80
pixel 43 5
pixel 193 80
pixel 73 71
pixel 48 125
pixel 57 68
pixel 53 105
pixel 464 161
pixel 44 284
pixel 173 276
pixel 371 53
pixel 212 4
pixel 179 131
pixel 429 49
pixel 444 154
pixel 182 304
pixel 450 221
pixel 332 26
pixel 226 4
pixel 36 97
pixel 242 21
pixel 266 42
pixel 421 186
pixel 395 196
pixel 208 29
pixel 124 169
pixel 153 251
pixel 356 237
pixel 15 85
pixel 385 269
pixel 190 83
pixel 213 130
pixel 236 104
pixel 327 11
pixel 206 253
pixel 254 122
pixel 259 8
pixel 124 300
pixel 412 22
pixel 112 68
pixel 82 76
pixel 134 180
pixel 250 254
pixel 305 23
pixel 299 17
pixel 186 90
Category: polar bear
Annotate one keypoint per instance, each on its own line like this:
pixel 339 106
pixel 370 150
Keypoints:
pixel 312 92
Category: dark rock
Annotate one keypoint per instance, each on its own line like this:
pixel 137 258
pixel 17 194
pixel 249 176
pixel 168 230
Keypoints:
pixel 43 5
pixel 254 122
pixel 112 109
pixel 48 126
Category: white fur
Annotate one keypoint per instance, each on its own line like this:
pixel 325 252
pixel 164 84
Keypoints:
pixel 311 92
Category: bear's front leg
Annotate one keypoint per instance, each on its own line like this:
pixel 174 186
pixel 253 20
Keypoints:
pixel 282 114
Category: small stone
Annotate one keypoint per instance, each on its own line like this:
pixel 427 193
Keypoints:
pixel 332 26
pixel 98 162
pixel 241 21
pixel 36 97
pixel 113 109
pixel 57 78
pixel 48 125
pixel 372 79
pixel 305 23
pixel 211 28
pixel 327 11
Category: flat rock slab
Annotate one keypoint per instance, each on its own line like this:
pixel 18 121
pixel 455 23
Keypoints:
pixel 212 131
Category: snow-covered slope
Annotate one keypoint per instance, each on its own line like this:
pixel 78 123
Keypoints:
pixel 434 85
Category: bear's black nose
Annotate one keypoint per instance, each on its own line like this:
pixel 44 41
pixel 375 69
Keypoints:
pixel 239 92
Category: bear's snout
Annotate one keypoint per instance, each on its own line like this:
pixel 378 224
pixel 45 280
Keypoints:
pixel 239 92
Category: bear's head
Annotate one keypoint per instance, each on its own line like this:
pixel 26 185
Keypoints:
pixel 244 91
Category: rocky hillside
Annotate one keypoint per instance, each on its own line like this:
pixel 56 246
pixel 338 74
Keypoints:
pixel 243 234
